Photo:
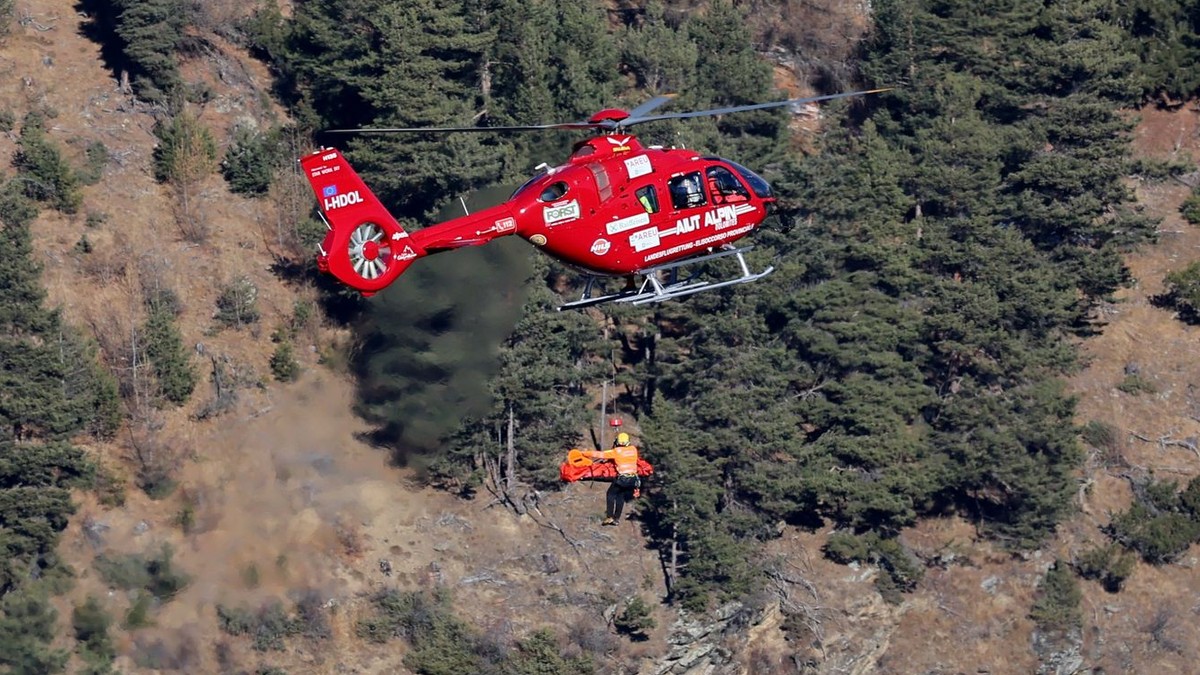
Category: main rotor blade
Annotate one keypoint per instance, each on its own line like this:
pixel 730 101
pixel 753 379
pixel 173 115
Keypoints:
pixel 649 105
pixel 438 130
pixel 636 116
pixel 632 120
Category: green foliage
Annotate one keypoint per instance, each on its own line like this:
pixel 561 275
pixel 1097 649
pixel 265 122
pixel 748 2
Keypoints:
pixel 559 63
pixel 250 576
pixel 713 546
pixel 284 365
pixel 1105 438
pixel 165 349
pixel 186 151
pixel 138 615
pixel 95 158
pixel 1190 208
pixel 91 624
pixel 634 619
pixel 8 120
pixel 408 64
pixel 53 385
pixel 907 356
pixel 1183 292
pixel 539 654
pixel 271 623
pixel 1101 435
pixel 1058 605
pixel 27 626
pixel 1156 525
pixel 845 547
pixel 35 503
pixel 442 644
pixel 1110 564
pixel 251 161
pixel 1166 38
pixel 266 31
pixel 1162 522
pixel 1134 384
pixel 237 305
pixel 1157 170
pixel 150 33
pixel 155 574
pixel 900 570
pixel 44 174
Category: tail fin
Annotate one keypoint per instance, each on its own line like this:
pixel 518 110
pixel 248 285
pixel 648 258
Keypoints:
pixel 365 247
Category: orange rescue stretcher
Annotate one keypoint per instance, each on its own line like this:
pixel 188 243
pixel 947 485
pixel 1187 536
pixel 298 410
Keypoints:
pixel 581 467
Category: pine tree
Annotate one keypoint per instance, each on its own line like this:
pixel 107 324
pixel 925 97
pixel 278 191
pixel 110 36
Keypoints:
pixel 729 72
pixel 1166 37
pixel 27 625
pixel 44 173
pixel 549 62
pixel 165 350
pixel 21 292
pixel 410 65
pixel 152 32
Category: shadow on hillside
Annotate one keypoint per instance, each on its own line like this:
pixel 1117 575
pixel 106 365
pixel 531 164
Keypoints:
pixel 340 304
pixel 101 28
pixel 1171 302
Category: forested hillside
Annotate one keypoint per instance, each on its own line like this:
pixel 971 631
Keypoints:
pixel 907 358
pixel 953 240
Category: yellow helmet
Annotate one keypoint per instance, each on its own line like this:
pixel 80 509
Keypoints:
pixel 622 438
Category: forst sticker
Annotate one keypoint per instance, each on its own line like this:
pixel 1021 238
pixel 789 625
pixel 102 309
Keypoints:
pixel 600 247
pixel 561 213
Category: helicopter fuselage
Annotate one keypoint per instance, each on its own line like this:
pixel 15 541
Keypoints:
pixel 616 208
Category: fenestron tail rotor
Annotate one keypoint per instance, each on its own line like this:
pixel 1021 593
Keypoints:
pixel 614 120
pixel 370 251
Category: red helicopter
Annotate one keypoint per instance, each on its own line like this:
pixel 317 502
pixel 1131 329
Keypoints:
pixel 616 208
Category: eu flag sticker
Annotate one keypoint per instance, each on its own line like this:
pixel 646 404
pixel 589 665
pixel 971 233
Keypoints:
pixel 329 191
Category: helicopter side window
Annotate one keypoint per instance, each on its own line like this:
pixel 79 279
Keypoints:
pixel 686 191
pixel 602 185
pixel 554 192
pixel 725 187
pixel 647 196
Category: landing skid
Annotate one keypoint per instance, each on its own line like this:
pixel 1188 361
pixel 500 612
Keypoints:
pixel 654 289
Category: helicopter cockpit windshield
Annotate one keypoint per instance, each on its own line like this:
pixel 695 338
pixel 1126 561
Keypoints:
pixel 756 182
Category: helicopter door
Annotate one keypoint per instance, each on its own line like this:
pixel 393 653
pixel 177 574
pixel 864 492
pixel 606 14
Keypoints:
pixel 725 187
pixel 687 191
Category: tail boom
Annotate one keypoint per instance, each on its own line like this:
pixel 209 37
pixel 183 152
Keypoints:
pixel 365 247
